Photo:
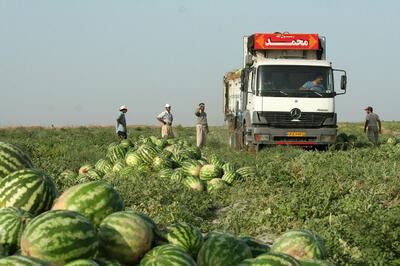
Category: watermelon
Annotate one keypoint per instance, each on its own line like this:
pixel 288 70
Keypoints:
pixel 107 262
pixel 158 236
pixel 210 171
pixel 160 162
pixel 126 144
pixel 67 178
pixel 82 262
pixel 215 160
pixel 3 251
pixel 191 167
pixel 94 175
pixel 18 260
pixel 187 154
pixel 177 160
pixel 165 173
pixel 301 244
pixel 178 175
pixel 230 177
pixel 246 172
pixel 228 167
pixel 215 185
pixel 133 159
pixel 85 168
pixel 202 161
pixel 218 232
pixel 223 250
pixel 12 158
pixel 12 223
pixel 195 151
pixel 71 236
pixel 185 236
pixel 104 166
pixel 276 259
pixel 315 262
pixel 256 247
pixel 96 200
pixel 115 153
pixel 167 255
pixel 147 153
pixel 28 189
pixel 125 236
pixel 119 165
pixel 193 182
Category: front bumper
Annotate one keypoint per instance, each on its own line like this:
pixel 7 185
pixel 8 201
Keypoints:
pixel 297 136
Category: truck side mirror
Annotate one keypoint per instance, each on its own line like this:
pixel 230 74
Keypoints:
pixel 343 82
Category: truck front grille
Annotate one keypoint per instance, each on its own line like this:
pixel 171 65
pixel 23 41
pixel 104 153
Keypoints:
pixel 283 119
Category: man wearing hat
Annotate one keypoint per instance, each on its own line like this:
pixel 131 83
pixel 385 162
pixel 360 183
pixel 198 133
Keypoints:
pixel 121 123
pixel 166 119
pixel 201 126
pixel 372 121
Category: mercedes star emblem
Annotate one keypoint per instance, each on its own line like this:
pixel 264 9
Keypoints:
pixel 295 114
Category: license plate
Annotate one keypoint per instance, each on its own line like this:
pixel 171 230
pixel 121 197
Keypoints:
pixel 296 134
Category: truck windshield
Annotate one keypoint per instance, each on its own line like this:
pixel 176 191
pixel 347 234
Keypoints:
pixel 294 81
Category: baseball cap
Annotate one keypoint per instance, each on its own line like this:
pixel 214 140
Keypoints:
pixel 123 107
pixel 167 105
pixel 368 108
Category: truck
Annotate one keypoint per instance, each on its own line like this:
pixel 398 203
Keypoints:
pixel 284 93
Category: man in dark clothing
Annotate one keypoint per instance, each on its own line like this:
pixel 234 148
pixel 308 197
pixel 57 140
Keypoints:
pixel 372 121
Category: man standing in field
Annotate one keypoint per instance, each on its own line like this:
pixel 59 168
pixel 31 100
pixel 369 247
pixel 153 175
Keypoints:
pixel 201 126
pixel 166 119
pixel 371 122
pixel 121 123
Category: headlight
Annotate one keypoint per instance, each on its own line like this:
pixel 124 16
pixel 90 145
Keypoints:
pixel 327 138
pixel 260 137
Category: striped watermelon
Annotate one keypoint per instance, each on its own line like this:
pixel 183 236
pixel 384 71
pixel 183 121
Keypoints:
pixel 301 244
pixel 191 167
pixel 28 189
pixel 215 160
pixel 82 262
pixel 94 175
pixel 185 236
pixel 193 182
pixel 125 236
pixel 215 185
pixel 71 236
pixel 67 178
pixel 256 247
pixel 119 165
pixel 271 259
pixel 107 262
pixel 202 161
pixel 230 177
pixel 147 153
pixel 223 250
pixel 246 172
pixel 18 260
pixel 167 255
pixel 158 236
pixel 104 166
pixel 315 262
pixel 12 223
pixel 196 152
pixel 210 171
pixel 165 173
pixel 12 158
pixel 115 153
pixel 133 158
pixel 177 160
pixel 126 144
pixel 228 167
pixel 178 175
pixel 85 168
pixel 160 162
pixel 96 200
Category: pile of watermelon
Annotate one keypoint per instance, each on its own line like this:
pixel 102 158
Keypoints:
pixel 151 157
pixel 88 224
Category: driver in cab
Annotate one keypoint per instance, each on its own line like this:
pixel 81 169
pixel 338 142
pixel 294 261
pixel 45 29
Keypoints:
pixel 314 85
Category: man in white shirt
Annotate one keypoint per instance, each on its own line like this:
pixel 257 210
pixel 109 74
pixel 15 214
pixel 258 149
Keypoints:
pixel 166 119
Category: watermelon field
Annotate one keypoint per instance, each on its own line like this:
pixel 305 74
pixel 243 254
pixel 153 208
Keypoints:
pixel 345 199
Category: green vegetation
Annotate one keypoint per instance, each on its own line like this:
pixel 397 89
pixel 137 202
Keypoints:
pixel 350 197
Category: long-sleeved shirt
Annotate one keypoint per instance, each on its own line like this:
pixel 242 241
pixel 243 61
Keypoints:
pixel 201 117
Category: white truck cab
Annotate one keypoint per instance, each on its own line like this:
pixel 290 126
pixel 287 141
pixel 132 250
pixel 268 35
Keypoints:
pixel 284 94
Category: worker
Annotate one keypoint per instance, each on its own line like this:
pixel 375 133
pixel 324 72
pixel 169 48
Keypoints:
pixel 371 122
pixel 201 126
pixel 314 85
pixel 166 119
pixel 121 123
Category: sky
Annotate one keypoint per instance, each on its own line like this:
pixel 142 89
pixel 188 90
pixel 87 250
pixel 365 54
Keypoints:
pixel 72 63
